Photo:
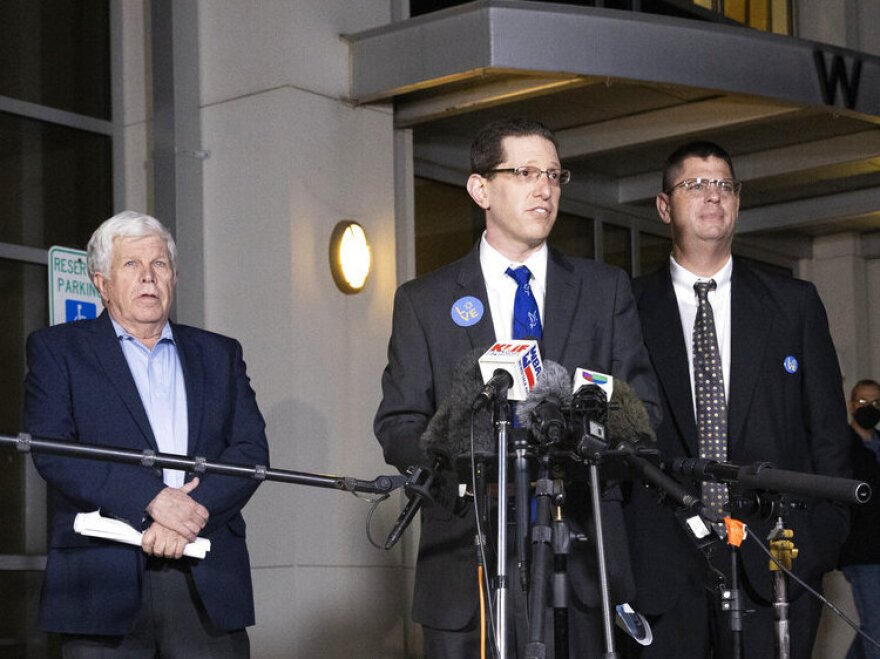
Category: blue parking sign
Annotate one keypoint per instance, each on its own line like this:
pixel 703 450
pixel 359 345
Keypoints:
pixel 79 310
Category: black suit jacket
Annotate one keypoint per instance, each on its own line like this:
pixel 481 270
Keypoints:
pixel 79 388
pixel 589 320
pixel 796 421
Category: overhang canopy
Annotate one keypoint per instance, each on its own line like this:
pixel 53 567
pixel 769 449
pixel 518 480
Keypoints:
pixel 623 88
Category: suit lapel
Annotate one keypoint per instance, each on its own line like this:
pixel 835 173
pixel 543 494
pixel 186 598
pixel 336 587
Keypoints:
pixel 664 337
pixel 560 304
pixel 109 354
pixel 751 323
pixel 192 363
pixel 471 283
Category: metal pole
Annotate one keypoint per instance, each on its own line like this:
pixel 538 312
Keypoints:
pixel 502 426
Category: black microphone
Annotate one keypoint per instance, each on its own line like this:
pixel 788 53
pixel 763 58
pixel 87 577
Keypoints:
pixel 500 382
pixel 417 488
pixel 542 410
pixel 630 432
pixel 764 476
pixel 447 436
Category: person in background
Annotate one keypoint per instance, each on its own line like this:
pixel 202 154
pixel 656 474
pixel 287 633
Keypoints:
pixel 860 554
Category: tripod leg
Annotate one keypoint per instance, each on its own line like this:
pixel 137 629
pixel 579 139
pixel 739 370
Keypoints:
pixel 536 647
pixel 607 629
pixel 561 547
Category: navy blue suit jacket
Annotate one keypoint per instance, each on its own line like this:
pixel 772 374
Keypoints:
pixel 79 388
pixel 589 320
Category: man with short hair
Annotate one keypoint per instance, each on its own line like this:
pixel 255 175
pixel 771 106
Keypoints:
pixel 133 379
pixel 860 554
pixel 584 314
pixel 747 373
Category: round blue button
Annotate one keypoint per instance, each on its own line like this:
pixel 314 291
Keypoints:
pixel 466 311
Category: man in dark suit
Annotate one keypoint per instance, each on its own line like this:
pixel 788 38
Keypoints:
pixel 778 399
pixel 588 319
pixel 134 380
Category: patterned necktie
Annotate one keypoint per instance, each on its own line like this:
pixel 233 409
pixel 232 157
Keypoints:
pixel 526 318
pixel 709 385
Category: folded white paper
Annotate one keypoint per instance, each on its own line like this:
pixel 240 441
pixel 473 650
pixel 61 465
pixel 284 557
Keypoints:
pixel 93 524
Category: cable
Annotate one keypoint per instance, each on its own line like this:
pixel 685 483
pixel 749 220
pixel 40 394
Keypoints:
pixel 484 563
pixel 814 593
pixel 482 613
pixel 373 509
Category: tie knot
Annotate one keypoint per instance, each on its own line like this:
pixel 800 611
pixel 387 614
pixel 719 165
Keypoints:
pixel 522 274
pixel 703 287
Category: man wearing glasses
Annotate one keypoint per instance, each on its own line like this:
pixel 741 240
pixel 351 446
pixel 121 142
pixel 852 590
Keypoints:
pixel 747 373
pixel 585 316
pixel 860 555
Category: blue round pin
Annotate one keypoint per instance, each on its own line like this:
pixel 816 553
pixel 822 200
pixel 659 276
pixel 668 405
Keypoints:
pixel 466 311
pixel 791 364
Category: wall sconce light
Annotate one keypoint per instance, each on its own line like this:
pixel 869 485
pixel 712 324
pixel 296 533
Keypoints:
pixel 350 259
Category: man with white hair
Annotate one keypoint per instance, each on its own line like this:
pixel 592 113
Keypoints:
pixel 134 380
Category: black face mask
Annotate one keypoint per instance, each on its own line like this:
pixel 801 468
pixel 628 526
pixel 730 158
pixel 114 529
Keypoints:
pixel 866 416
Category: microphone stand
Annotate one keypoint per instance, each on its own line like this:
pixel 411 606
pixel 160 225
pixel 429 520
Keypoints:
pixel 541 536
pixel 591 447
pixel 782 549
pixel 501 412
pixel 522 505
pixel 148 458
pixel 763 477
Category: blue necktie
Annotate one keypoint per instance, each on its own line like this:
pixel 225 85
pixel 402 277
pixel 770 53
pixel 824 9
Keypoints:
pixel 526 317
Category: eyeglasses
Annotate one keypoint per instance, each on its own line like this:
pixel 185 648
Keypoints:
pixel 726 187
pixel 861 402
pixel 533 174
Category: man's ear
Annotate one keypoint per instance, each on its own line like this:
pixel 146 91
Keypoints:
pixel 663 208
pixel 100 283
pixel 478 190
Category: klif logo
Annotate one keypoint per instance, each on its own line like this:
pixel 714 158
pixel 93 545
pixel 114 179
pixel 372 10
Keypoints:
pixel 510 348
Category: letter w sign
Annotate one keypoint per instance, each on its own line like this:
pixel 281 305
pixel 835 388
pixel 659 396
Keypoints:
pixel 829 80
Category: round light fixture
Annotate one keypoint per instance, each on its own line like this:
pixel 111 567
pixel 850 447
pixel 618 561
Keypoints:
pixel 350 259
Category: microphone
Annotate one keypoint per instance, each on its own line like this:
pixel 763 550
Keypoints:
pixel 629 429
pixel 763 476
pixel 627 417
pixel 521 360
pixel 447 436
pixel 501 381
pixel 542 410
pixel 417 487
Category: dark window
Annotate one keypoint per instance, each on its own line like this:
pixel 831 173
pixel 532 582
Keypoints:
pixel 573 235
pixel 617 248
pixel 55 183
pixel 57 53
pixel 653 252
pixel 448 223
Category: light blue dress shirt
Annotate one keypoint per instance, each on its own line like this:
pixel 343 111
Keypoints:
pixel 159 379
